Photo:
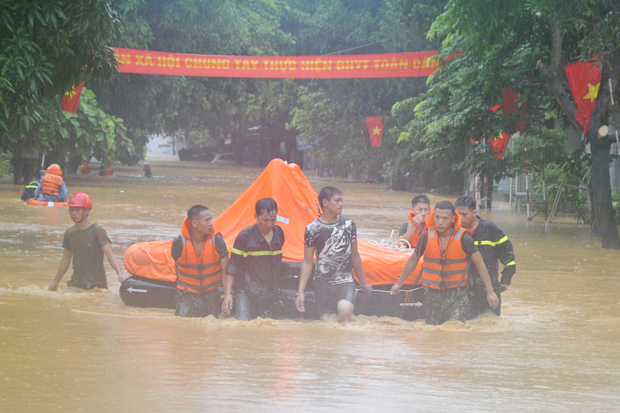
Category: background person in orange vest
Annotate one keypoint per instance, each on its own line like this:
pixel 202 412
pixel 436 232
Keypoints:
pixel 334 239
pixel 86 243
pixel 52 187
pixel 446 247
pixel 201 258
pixel 410 231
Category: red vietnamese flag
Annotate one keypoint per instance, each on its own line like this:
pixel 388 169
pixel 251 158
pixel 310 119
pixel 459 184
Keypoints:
pixel 508 104
pixel 584 80
pixel 71 99
pixel 499 144
pixel 375 129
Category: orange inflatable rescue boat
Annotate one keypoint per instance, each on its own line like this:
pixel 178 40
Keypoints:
pixel 36 202
pixel 153 276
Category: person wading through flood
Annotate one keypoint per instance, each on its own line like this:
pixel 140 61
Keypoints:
pixel 446 247
pixel 255 265
pixel 86 243
pixel 32 187
pixel 410 231
pixel 52 187
pixel 334 238
pixel 201 258
pixel 494 246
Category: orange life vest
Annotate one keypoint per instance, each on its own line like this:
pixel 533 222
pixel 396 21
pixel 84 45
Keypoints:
pixel 198 274
pixel 413 241
pixel 447 268
pixel 50 184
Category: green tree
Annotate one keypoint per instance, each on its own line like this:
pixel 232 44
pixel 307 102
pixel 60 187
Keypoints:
pixel 45 47
pixel 182 105
pixel 522 46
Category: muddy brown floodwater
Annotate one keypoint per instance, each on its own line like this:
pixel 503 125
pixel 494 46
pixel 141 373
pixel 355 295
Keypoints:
pixel 555 348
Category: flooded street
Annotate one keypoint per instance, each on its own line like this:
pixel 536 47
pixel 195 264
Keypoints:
pixel 554 349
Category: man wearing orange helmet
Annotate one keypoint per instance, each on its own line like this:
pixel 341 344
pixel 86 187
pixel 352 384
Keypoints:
pixel 86 243
pixel 52 187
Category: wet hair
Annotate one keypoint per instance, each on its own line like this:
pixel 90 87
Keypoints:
pixel 327 193
pixel 466 202
pixel 267 205
pixel 195 211
pixel 420 199
pixel 445 205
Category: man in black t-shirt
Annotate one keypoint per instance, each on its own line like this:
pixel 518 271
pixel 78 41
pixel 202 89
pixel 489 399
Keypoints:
pixel 334 239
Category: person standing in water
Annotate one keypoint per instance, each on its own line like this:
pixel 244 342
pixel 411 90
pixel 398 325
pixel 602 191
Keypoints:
pixel 52 187
pixel 494 246
pixel 86 243
pixel 410 231
pixel 446 248
pixel 334 239
pixel 201 258
pixel 255 265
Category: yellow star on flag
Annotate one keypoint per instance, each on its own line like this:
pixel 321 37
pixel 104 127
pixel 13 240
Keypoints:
pixel 592 92
pixel 376 130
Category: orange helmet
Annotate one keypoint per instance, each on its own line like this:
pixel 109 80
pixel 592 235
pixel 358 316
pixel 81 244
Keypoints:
pixel 54 169
pixel 80 200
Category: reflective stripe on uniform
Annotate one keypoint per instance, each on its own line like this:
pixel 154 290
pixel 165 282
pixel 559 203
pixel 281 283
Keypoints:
pixel 255 253
pixel 491 243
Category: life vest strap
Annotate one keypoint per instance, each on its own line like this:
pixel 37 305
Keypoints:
pixel 445 261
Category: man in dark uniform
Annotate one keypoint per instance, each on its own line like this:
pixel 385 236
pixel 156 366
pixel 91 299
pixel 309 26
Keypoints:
pixel 255 264
pixel 494 246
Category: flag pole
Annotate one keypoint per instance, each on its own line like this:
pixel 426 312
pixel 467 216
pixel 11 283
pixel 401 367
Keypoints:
pixel 611 93
pixel 527 188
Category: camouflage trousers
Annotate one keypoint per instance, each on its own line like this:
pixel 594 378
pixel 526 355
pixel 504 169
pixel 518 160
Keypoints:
pixel 446 305
pixel 197 305
pixel 478 303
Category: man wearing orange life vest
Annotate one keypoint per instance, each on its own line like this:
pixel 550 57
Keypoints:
pixel 410 231
pixel 86 243
pixel 52 187
pixel 446 248
pixel 201 258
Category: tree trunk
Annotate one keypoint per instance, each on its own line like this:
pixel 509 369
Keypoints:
pixel 601 195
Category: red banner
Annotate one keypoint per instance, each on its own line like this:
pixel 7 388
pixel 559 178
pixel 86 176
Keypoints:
pixel 71 99
pixel 375 129
pixel 584 80
pixel 413 64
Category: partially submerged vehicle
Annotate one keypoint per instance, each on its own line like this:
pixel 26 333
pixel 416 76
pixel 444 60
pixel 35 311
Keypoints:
pixel 153 280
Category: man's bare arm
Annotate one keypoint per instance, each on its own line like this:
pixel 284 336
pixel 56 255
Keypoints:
pixel 304 276
pixel 65 261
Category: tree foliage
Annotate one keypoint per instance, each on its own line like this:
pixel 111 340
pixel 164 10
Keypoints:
pixel 522 46
pixel 45 47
